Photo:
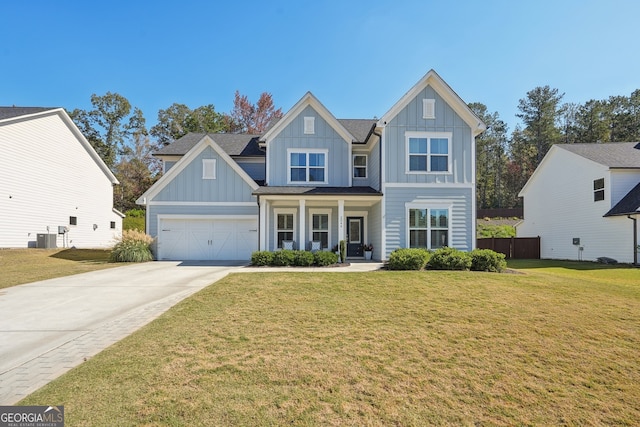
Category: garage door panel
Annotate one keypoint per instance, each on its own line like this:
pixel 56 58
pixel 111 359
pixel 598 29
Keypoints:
pixel 207 239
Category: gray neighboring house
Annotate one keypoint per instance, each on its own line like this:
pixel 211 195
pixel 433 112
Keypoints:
pixel 312 180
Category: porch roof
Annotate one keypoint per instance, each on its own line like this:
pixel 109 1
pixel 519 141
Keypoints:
pixel 316 191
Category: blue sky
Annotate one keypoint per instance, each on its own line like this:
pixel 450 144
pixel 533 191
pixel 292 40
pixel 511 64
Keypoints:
pixel 357 57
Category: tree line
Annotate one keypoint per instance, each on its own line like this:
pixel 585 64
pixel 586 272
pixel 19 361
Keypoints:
pixel 119 134
pixel 505 162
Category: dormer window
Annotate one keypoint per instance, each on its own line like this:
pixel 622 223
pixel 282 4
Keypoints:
pixel 309 125
pixel 428 108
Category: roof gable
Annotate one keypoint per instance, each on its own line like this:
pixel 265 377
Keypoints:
pixel 204 142
pixel 233 144
pixel 444 90
pixel 13 114
pixel 308 100
pixel 629 205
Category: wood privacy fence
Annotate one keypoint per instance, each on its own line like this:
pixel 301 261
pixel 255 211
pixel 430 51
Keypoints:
pixel 513 247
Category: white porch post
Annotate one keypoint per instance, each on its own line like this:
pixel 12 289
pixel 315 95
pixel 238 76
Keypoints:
pixel 301 243
pixel 340 220
pixel 262 210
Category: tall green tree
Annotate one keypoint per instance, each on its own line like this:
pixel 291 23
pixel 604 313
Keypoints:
pixel 591 122
pixel 178 120
pixel 490 158
pixel 540 112
pixel 109 125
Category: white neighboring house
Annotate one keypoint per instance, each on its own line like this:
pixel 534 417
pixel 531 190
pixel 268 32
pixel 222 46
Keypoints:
pixel 583 200
pixel 51 177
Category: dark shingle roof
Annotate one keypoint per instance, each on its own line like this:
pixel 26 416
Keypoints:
pixel 613 154
pixel 630 204
pixel 232 144
pixel 359 128
pixel 11 112
pixel 294 190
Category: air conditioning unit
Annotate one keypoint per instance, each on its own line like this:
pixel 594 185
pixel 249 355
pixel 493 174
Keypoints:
pixel 47 241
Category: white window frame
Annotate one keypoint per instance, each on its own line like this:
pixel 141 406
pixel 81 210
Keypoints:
pixel 597 191
pixel 309 125
pixel 308 151
pixel 428 108
pixel 209 165
pixel 428 136
pixel 366 166
pixel 277 212
pixel 428 206
pixel 327 212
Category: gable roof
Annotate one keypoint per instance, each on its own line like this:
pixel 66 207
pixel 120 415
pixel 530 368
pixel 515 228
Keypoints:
pixel 232 144
pixel 9 114
pixel 308 100
pixel 629 205
pixel 204 142
pixel 616 155
pixel 444 90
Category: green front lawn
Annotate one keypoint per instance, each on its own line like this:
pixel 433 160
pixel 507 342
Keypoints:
pixel 552 346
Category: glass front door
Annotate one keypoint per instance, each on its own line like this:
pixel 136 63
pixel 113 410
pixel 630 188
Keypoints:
pixel 354 236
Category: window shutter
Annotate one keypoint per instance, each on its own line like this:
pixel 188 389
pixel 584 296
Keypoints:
pixel 428 108
pixel 309 125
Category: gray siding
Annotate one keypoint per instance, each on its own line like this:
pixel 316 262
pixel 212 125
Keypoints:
pixel 374 167
pixel 325 137
pixel 446 120
pixel 375 230
pixel 396 214
pixel 188 185
pixel 191 210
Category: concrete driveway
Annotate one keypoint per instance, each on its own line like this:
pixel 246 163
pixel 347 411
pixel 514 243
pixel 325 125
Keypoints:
pixel 49 327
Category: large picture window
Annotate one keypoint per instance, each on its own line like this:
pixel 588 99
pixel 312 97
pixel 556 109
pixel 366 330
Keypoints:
pixel 307 167
pixel 428 227
pixel 428 152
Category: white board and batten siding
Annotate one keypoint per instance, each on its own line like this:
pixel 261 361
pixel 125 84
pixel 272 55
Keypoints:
pixel 48 176
pixel 559 206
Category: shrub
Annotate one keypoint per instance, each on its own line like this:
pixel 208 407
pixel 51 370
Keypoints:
pixel 489 230
pixel 262 258
pixel 449 259
pixel 283 257
pixel 408 259
pixel 487 260
pixel 133 246
pixel 135 213
pixel 324 258
pixel 303 258
pixel 343 250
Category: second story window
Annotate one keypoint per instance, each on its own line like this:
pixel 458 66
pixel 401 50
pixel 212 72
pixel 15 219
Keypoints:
pixel 428 152
pixel 307 166
pixel 359 166
pixel 598 190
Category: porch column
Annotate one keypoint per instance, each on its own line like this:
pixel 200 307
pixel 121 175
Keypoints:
pixel 340 220
pixel 302 244
pixel 262 212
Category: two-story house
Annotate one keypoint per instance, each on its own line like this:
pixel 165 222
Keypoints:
pixel 312 180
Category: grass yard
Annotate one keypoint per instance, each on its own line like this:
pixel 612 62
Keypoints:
pixel 18 266
pixel 557 345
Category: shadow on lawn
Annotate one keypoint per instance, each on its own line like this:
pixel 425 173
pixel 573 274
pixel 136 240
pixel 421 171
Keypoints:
pixel 86 256
pixel 571 265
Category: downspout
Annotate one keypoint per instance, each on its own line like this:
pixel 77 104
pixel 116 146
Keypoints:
pixel 379 135
pixel 635 239
pixel 258 201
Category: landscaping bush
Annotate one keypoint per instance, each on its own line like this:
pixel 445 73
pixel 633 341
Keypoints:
pixel 449 259
pixel 487 260
pixel 262 258
pixel 133 246
pixel 303 258
pixel 283 258
pixel 408 259
pixel 324 258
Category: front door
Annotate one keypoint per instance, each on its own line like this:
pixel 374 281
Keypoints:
pixel 354 236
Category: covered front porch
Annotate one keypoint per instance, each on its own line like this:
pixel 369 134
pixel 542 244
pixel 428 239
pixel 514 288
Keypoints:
pixel 318 218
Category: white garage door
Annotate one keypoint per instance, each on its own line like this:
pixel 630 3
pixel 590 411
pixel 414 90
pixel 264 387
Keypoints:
pixel 207 239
